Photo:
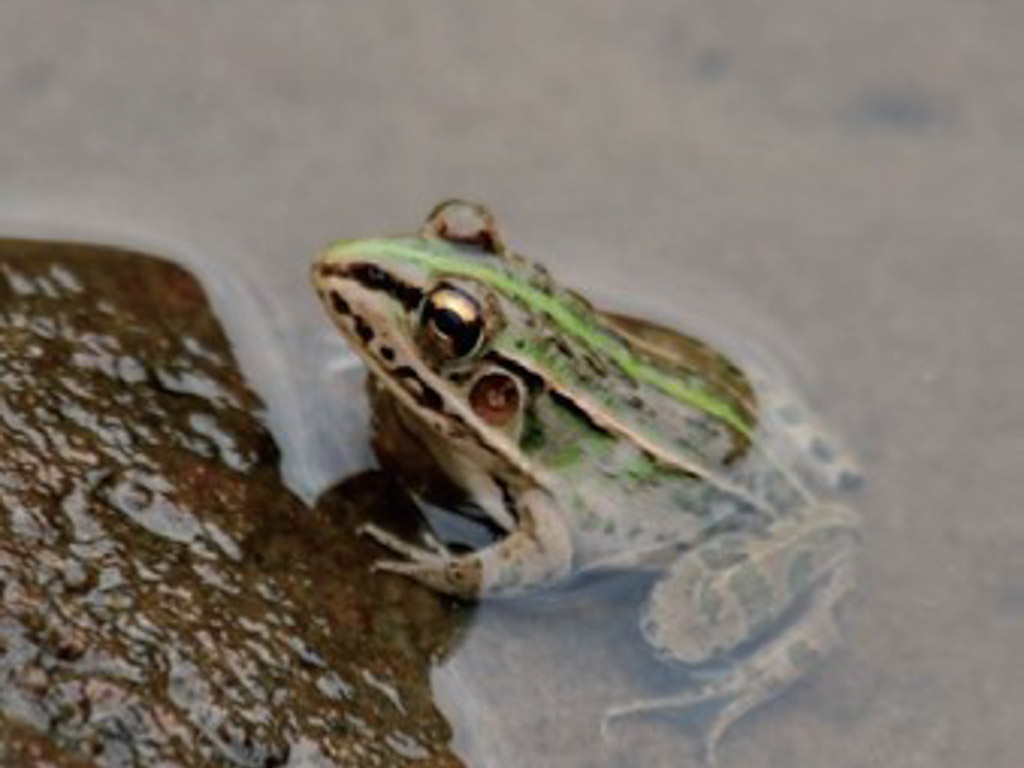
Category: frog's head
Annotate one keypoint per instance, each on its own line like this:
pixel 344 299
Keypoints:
pixel 488 352
pixel 429 314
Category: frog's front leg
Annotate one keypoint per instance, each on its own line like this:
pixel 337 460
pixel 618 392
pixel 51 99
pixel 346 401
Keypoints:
pixel 536 553
pixel 733 589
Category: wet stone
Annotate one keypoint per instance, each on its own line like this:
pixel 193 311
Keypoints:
pixel 163 598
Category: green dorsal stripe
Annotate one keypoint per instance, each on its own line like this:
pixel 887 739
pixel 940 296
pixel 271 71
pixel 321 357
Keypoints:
pixel 563 314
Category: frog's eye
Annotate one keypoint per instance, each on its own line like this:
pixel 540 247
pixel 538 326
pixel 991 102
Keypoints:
pixel 453 321
pixel 465 223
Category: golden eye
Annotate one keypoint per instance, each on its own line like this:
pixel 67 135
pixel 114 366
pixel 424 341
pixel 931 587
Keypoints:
pixel 454 320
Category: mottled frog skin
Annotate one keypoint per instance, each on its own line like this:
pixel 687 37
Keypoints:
pixel 594 442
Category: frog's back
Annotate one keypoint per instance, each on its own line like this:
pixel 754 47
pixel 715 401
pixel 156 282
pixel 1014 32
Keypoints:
pixel 659 412
pixel 622 374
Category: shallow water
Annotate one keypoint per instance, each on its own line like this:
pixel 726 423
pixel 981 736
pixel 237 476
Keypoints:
pixel 837 186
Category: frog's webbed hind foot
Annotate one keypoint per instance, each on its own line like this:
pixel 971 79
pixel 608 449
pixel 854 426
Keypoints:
pixel 681 702
pixel 763 675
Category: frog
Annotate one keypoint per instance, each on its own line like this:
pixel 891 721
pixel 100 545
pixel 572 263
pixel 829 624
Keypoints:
pixel 594 443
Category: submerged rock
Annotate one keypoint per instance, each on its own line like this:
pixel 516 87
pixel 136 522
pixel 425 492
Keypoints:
pixel 163 598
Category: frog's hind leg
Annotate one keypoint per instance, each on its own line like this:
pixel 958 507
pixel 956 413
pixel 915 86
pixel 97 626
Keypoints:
pixel 731 592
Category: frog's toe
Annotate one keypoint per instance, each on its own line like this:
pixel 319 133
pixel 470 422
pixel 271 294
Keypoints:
pixel 435 545
pixel 606 726
pixel 412 567
pixel 400 546
pixel 709 742
pixel 717 690
pixel 721 691
pixel 378 534
pixel 458 576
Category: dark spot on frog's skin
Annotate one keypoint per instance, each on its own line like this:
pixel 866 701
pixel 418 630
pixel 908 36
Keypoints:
pixel 430 399
pixel 598 367
pixel 467 575
pixel 415 386
pixel 649 626
pixel 565 402
pixel 370 276
pixel 330 270
pixel 564 349
pixel 802 654
pixel 733 371
pixel 507 500
pixel 850 481
pixel 405 372
pixel 363 329
pixel 339 304
pixel 387 353
pixel 822 451
pixel 532 381
pixel 790 414
pixel 374 278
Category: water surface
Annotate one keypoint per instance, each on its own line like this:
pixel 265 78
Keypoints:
pixel 839 186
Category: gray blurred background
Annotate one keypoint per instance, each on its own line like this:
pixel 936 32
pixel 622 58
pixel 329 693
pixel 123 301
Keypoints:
pixel 840 184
